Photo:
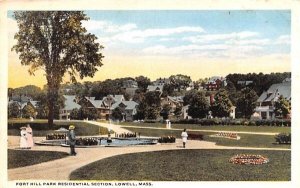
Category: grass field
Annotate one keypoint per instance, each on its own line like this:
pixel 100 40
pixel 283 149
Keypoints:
pixel 21 158
pixel 187 165
pixel 41 128
pixel 271 129
pixel 247 140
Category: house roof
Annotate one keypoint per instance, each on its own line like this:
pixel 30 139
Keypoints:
pixel 155 88
pixel 275 91
pixel 21 98
pixel 130 105
pixel 70 103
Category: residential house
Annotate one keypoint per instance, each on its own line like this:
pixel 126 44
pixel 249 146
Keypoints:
pixel 267 99
pixel 69 104
pixel 184 111
pixel 91 103
pixel 158 88
pixel 22 101
pixel 161 81
pixel 245 83
pixel 128 109
pixel 215 83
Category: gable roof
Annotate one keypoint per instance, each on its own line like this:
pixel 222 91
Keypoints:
pixel 276 90
pixel 130 105
pixel 155 88
pixel 70 103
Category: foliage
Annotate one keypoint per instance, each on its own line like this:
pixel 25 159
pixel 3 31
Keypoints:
pixel 117 114
pixel 150 106
pixel 75 114
pixel 222 104
pixel 166 109
pixel 283 138
pixel 168 90
pixel 56 42
pixel 178 111
pixel 28 111
pixel 88 113
pixel 282 107
pixel 261 82
pixel 143 82
pixel 180 81
pixel 167 139
pixel 13 110
pixel 28 90
pixel 246 103
pixel 198 105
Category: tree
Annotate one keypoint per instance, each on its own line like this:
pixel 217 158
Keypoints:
pixel 187 99
pixel 150 105
pixel 222 104
pixel 143 82
pixel 178 111
pixel 56 42
pixel 246 103
pixel 180 81
pixel 166 109
pixel 13 110
pixel 75 114
pixel 282 107
pixel 168 90
pixel 117 114
pixel 28 111
pixel 198 106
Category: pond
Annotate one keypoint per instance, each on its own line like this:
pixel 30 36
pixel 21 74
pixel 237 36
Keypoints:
pixel 100 141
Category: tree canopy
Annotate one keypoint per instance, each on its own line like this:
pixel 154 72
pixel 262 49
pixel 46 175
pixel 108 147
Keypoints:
pixel 56 42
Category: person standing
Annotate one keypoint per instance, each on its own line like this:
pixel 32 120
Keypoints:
pixel 23 139
pixel 72 139
pixel 29 136
pixel 184 137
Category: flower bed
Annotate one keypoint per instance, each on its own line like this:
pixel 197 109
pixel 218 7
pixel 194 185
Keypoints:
pixel 168 139
pixel 87 141
pixel 227 135
pixel 248 159
pixel 56 136
pixel 126 135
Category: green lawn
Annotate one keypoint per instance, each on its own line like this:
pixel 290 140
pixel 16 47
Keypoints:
pixel 271 129
pixel 21 158
pixel 41 128
pixel 247 140
pixel 178 165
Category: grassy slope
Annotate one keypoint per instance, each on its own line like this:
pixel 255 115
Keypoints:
pixel 247 140
pixel 21 158
pixel 271 129
pixel 40 127
pixel 178 165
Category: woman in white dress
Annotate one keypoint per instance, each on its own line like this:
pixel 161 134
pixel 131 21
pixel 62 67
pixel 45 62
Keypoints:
pixel 29 136
pixel 184 137
pixel 23 139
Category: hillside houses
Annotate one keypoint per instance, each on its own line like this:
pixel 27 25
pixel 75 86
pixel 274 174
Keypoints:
pixel 215 83
pixel 23 102
pixel 103 107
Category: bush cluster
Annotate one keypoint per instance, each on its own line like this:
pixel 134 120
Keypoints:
pixel 283 138
pixel 55 136
pixel 86 141
pixel 126 135
pixel 247 122
pixel 192 136
pixel 167 139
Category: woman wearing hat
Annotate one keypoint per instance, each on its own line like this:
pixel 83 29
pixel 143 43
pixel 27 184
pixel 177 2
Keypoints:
pixel 72 139
pixel 29 136
pixel 23 139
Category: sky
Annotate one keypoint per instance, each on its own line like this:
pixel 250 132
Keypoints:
pixel 195 43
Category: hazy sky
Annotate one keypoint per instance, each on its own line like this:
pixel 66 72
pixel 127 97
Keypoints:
pixel 196 43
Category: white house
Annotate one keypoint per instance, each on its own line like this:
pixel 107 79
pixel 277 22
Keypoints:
pixel 267 99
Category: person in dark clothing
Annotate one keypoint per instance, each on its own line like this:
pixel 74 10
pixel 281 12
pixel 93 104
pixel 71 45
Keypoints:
pixel 72 139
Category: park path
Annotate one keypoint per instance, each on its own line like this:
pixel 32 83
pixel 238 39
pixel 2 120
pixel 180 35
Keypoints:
pixel 61 169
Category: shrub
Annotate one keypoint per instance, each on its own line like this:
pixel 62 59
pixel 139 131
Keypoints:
pixel 167 139
pixel 283 138
pixel 192 136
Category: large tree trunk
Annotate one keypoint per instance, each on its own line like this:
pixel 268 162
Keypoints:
pixel 52 97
